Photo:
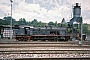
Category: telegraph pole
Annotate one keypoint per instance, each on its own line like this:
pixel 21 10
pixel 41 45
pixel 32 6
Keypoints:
pixel 11 21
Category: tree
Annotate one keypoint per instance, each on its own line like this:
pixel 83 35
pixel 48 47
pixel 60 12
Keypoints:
pixel 1 22
pixel 8 20
pixel 59 24
pixel 34 22
pixel 22 21
pixel 85 29
pixel 56 24
pixel 51 24
pixel 39 24
pixel 88 26
pixel 63 23
pixel 29 23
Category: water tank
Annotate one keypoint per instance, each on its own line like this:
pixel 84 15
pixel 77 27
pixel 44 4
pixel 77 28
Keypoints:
pixel 77 10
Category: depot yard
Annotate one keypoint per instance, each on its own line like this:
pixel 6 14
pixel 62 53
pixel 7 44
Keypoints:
pixel 29 50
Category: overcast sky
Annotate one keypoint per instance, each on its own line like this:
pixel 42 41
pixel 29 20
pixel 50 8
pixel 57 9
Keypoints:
pixel 44 10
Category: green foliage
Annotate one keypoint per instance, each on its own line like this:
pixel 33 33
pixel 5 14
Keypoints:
pixel 59 24
pixel 1 22
pixel 50 24
pixel 56 24
pixel 86 28
pixel 35 23
pixel 7 21
pixel 22 21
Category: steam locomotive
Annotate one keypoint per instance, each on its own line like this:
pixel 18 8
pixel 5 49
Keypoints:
pixel 28 33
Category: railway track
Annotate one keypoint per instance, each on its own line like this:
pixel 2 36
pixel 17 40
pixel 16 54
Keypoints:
pixel 44 50
pixel 41 42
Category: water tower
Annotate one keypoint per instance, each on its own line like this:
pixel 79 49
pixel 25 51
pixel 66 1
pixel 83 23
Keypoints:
pixel 77 10
pixel 76 18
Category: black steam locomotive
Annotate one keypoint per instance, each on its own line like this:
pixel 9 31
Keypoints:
pixel 28 33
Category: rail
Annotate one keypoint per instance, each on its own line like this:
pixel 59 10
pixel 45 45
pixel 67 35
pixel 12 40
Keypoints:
pixel 36 50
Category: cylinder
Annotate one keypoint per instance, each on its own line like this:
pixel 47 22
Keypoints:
pixel 77 10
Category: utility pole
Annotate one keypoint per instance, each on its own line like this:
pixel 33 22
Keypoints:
pixel 11 21
pixel 81 31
